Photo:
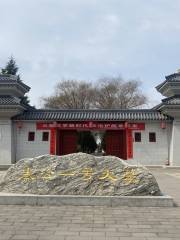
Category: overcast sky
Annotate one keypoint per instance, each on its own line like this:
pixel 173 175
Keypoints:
pixel 88 39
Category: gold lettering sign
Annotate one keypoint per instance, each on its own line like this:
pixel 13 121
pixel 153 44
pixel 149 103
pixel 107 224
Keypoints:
pixel 87 173
pixel 67 173
pixel 107 175
pixel 47 174
pixel 27 175
pixel 129 176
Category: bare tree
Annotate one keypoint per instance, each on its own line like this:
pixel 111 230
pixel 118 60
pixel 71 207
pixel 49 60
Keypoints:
pixel 115 93
pixel 70 94
pixel 107 93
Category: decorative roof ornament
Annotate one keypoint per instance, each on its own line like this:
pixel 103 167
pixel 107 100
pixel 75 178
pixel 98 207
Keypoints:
pixel 12 85
pixel 170 88
pixel 12 91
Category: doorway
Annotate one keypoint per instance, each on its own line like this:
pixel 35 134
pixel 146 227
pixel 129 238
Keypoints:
pixel 66 142
pixel 86 142
pixel 115 143
pixel 110 142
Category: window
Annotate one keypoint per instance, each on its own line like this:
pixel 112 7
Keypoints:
pixel 137 137
pixel 31 136
pixel 45 136
pixel 152 137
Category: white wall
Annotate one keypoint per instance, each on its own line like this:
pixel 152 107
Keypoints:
pixel 175 144
pixel 5 142
pixel 25 148
pixel 144 152
pixel 152 153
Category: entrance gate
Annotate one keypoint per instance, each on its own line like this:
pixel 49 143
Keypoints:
pixel 119 140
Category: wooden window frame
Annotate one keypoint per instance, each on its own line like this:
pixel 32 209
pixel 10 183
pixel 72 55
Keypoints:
pixel 152 137
pixel 45 136
pixel 137 137
pixel 31 136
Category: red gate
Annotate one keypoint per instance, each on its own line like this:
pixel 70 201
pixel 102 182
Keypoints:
pixel 116 144
pixel 119 139
pixel 66 142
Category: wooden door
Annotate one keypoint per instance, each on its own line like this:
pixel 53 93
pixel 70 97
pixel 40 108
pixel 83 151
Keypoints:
pixel 116 143
pixel 67 142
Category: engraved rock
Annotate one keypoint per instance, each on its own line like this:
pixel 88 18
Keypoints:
pixel 79 174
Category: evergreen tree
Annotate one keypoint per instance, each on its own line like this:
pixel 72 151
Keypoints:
pixel 25 100
pixel 11 67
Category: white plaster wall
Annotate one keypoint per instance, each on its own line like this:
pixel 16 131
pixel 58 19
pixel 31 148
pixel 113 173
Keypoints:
pixel 152 153
pixel 175 144
pixel 144 152
pixel 5 142
pixel 25 148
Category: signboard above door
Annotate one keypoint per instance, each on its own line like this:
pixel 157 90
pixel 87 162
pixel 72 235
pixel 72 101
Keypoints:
pixel 90 125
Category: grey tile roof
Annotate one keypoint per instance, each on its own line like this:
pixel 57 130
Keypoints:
pixel 99 115
pixel 175 78
pixel 174 100
pixel 9 100
pixel 8 77
pixel 12 80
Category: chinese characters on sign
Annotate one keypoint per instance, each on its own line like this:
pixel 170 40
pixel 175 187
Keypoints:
pixel 91 125
pixel 107 175
pixel 27 175
pixel 129 176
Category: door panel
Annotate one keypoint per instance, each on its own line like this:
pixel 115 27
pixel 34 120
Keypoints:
pixel 116 144
pixel 67 142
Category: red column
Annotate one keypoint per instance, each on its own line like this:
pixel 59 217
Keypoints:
pixel 53 142
pixel 129 144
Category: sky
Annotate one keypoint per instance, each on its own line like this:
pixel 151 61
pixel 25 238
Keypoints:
pixel 53 40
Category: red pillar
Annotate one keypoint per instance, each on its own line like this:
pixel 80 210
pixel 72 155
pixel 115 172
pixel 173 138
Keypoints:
pixel 129 144
pixel 53 142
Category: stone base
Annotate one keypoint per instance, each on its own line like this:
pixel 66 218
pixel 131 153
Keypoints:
pixel 112 201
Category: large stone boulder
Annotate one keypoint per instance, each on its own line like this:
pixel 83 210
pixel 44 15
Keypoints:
pixel 78 174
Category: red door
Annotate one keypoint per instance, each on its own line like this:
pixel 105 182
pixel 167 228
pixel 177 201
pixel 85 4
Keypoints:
pixel 67 142
pixel 116 144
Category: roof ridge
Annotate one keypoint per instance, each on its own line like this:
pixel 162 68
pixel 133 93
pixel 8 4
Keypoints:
pixel 95 110
pixel 63 115
pixel 12 79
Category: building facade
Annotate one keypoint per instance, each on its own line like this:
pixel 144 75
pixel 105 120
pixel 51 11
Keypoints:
pixel 146 136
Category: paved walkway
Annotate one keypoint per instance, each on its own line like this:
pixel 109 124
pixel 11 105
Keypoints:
pixel 169 182
pixel 96 223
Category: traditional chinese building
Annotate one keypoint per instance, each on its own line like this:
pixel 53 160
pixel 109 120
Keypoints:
pixel 146 136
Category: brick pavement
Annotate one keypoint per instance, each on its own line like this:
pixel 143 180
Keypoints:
pixel 91 223
pixel 169 181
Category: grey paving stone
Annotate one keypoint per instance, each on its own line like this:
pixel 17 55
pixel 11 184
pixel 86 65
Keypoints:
pixel 118 234
pixel 67 233
pixel 51 237
pixel 25 237
pixel 78 238
pixel 93 234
